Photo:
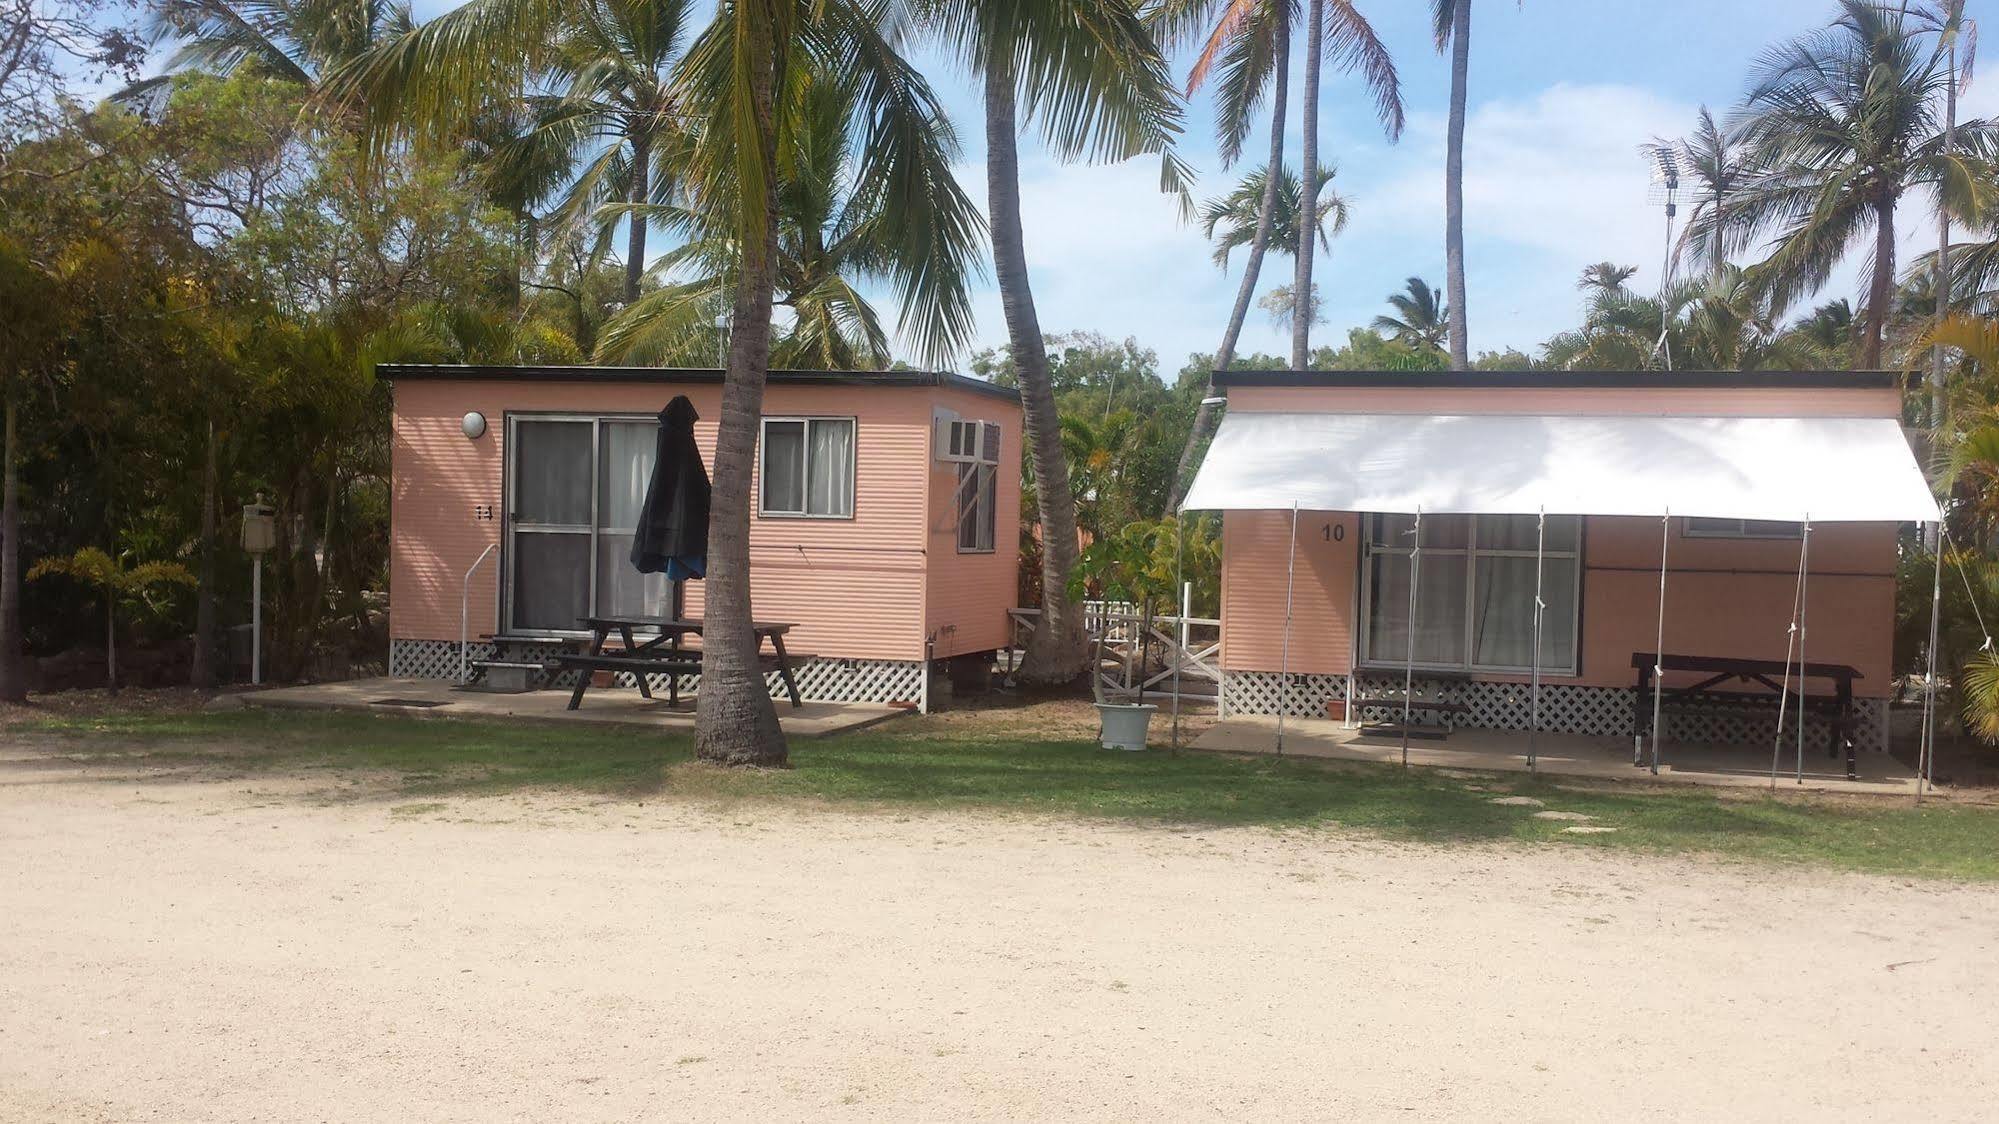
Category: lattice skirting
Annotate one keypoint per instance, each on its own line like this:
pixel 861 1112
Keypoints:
pixel 820 680
pixel 1565 708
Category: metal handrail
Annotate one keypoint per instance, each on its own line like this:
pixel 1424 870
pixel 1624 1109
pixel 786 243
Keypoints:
pixel 465 607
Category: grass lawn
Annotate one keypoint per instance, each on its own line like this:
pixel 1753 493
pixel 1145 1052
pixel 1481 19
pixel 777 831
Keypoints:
pixel 1017 766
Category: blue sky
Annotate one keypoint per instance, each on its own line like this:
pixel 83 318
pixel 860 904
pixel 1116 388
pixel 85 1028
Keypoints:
pixel 1562 94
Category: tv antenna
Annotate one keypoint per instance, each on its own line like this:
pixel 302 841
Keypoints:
pixel 1664 191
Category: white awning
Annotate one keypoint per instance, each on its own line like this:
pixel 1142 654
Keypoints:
pixel 1824 469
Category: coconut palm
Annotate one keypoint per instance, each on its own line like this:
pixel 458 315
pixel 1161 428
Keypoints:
pixel 1605 277
pixel 1353 44
pixel 1843 122
pixel 598 120
pixel 831 242
pixel 1957 38
pixel 737 81
pixel 1450 22
pixel 1247 43
pixel 1089 74
pixel 296 40
pixel 1420 319
pixel 1714 159
pixel 1231 221
pixel 1705 325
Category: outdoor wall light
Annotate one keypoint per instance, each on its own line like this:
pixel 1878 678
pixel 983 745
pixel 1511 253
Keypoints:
pixel 474 425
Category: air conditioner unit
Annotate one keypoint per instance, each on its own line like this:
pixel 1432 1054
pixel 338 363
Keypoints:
pixel 958 440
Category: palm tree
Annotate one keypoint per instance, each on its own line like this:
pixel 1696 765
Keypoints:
pixel 1706 325
pixel 1955 34
pixel 1605 277
pixel 1231 220
pixel 295 40
pixel 738 81
pixel 1420 320
pixel 1713 157
pixel 1090 75
pixel 831 241
pixel 1844 121
pixel 1248 43
pixel 1354 44
pixel 1451 26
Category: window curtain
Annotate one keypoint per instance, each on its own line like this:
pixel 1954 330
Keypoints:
pixel 626 453
pixel 831 480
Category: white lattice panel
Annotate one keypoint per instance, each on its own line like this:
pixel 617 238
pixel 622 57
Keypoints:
pixel 1565 708
pixel 821 680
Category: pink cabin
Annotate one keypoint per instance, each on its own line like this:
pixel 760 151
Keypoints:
pixel 886 522
pixel 1586 483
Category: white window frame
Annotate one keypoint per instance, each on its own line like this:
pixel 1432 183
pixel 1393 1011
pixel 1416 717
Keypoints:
pixel 1704 527
pixel 1471 550
pixel 805 466
pixel 509 469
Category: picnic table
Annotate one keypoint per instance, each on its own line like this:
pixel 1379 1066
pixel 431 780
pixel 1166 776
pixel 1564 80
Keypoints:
pixel 1767 673
pixel 664 652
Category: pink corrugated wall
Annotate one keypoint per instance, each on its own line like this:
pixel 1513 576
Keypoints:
pixel 856 587
pixel 968 594
pixel 1723 597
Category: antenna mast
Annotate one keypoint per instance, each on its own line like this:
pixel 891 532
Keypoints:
pixel 1665 190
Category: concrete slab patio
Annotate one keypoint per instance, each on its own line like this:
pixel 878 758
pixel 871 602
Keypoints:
pixel 1572 755
pixel 437 698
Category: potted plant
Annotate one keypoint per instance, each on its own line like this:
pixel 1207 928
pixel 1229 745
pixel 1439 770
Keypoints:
pixel 1136 565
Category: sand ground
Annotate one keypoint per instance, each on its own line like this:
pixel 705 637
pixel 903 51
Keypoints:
pixel 195 948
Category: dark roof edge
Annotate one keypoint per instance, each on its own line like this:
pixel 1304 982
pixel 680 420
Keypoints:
pixel 412 372
pixel 1514 380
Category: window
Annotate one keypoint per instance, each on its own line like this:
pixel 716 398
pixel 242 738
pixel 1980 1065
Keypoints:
pixel 978 485
pixel 1474 593
pixel 576 487
pixel 978 507
pixel 1703 528
pixel 808 468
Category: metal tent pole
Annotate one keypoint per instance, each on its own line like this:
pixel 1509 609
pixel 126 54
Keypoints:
pixel 1179 557
pixel 1804 586
pixel 1659 642
pixel 1540 607
pixel 1926 749
pixel 1284 665
pixel 1784 694
pixel 1409 652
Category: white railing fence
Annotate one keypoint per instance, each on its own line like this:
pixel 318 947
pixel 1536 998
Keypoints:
pixel 1139 655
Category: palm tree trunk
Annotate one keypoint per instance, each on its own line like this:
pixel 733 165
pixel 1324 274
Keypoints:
pixel 201 673
pixel 111 639
pixel 1881 286
pixel 1302 310
pixel 1204 415
pixel 1942 280
pixel 1056 652
pixel 1454 186
pixel 13 669
pixel 635 246
pixel 735 723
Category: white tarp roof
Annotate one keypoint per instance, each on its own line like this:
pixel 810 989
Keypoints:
pixel 1825 469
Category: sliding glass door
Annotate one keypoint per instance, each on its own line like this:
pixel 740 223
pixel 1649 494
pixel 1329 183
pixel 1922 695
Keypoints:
pixel 576 485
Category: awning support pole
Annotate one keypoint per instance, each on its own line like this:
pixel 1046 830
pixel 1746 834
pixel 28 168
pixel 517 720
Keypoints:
pixel 1804 587
pixel 1284 662
pixel 1540 607
pixel 1784 694
pixel 1659 643
pixel 1179 560
pixel 1925 749
pixel 1409 652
